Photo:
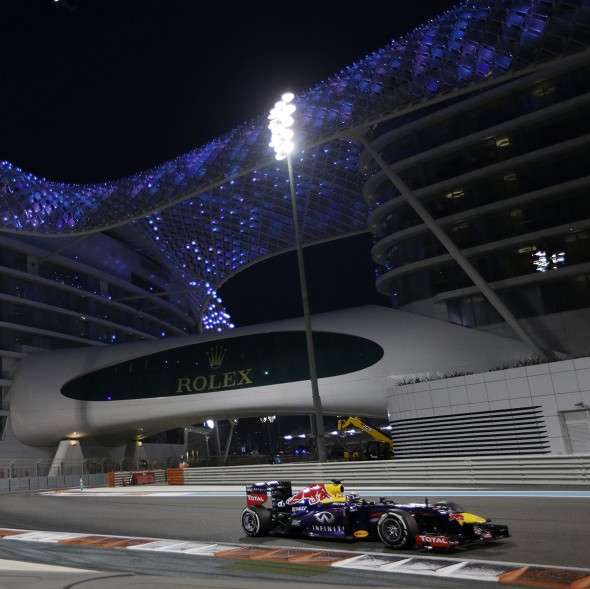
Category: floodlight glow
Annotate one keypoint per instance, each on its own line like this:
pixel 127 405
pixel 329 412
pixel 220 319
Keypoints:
pixel 210 424
pixel 281 121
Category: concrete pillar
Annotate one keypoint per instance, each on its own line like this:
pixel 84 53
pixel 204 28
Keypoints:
pixel 68 451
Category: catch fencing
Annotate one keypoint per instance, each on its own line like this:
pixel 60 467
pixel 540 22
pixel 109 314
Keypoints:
pixel 549 470
pixel 25 468
pixel 34 475
pixel 11 485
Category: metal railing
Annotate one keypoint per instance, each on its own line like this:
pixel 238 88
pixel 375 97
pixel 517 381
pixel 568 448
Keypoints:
pixel 537 470
pixel 38 483
pixel 22 468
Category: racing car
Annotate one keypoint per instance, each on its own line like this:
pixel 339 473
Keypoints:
pixel 324 510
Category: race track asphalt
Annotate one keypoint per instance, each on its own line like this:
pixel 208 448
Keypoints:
pixel 552 531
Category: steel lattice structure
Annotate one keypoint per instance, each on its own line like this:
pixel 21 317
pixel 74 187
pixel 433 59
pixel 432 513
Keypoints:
pixel 211 211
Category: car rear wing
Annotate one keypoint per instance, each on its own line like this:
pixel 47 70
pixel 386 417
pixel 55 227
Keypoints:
pixel 268 493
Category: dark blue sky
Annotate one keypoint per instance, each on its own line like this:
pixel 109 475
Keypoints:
pixel 94 89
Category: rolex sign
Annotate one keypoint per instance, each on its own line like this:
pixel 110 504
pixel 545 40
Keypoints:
pixel 225 364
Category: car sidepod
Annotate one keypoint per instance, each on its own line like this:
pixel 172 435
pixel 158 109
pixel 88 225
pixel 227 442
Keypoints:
pixel 323 521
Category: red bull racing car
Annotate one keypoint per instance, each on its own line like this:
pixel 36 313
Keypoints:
pixel 323 510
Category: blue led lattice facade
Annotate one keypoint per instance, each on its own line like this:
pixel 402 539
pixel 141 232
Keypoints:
pixel 225 205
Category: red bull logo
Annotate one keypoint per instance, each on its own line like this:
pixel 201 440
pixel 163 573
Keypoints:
pixel 313 494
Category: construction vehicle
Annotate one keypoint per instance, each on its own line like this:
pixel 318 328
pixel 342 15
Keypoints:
pixel 379 448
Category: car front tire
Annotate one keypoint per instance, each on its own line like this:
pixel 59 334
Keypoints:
pixel 397 529
pixel 256 521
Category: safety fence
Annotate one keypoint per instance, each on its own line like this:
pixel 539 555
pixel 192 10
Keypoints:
pixel 58 482
pixel 26 468
pixel 550 470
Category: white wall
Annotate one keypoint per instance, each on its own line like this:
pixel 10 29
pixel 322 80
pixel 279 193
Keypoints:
pixel 555 386
pixel 11 448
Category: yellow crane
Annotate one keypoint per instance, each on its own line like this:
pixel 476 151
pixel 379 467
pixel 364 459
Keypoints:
pixel 381 443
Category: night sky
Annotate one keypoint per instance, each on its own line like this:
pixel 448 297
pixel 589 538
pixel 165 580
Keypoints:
pixel 96 89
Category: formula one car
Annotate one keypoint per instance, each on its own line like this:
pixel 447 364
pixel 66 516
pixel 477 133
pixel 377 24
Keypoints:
pixel 323 510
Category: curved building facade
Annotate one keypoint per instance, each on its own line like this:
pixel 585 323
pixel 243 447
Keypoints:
pixel 504 173
pixel 98 293
pixel 128 392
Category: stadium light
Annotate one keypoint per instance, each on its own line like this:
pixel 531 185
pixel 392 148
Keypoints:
pixel 281 121
pixel 283 143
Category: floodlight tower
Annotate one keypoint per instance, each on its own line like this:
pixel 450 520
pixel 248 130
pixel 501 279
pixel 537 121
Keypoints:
pixel 282 141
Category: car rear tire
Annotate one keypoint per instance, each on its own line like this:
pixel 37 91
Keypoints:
pixel 397 529
pixel 256 521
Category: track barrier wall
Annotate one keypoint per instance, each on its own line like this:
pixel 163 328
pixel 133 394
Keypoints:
pixel 60 482
pixel 567 470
